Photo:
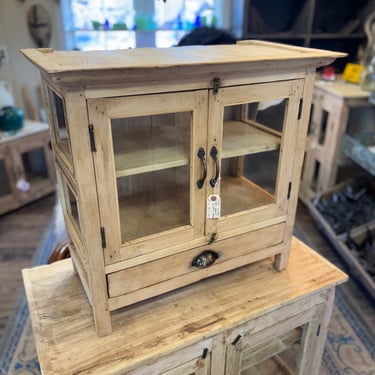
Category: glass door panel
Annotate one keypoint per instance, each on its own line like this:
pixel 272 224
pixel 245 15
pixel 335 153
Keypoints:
pixel 250 146
pixel 152 164
pixel 60 131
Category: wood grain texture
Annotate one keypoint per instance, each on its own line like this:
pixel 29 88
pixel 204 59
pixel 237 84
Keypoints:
pixel 167 324
pixel 76 61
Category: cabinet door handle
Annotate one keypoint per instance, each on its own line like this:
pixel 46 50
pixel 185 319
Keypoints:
pixel 213 154
pixel 205 259
pixel 201 155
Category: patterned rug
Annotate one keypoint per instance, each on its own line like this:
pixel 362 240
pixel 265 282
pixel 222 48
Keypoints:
pixel 349 349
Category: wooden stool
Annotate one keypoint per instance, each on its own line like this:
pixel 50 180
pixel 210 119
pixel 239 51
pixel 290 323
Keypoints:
pixel 221 325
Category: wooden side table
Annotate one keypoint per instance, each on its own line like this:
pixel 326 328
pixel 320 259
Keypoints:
pixel 331 104
pixel 27 170
pixel 221 325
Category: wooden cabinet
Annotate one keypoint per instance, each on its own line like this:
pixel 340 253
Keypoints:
pixel 325 163
pixel 26 166
pixel 158 153
pixel 252 320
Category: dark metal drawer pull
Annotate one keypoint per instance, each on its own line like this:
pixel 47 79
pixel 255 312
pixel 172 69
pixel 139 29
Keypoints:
pixel 213 154
pixel 205 259
pixel 201 154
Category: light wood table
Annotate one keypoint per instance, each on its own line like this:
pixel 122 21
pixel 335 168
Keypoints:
pixel 27 172
pixel 221 325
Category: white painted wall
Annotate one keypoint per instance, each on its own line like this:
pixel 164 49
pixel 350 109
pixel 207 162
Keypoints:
pixel 14 35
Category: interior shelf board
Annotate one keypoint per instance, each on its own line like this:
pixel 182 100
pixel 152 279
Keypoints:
pixel 241 139
pixel 140 153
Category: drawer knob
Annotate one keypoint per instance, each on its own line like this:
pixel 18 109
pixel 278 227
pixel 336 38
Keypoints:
pixel 205 259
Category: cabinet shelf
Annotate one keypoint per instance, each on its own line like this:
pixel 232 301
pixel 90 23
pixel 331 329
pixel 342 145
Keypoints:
pixel 240 139
pixel 140 153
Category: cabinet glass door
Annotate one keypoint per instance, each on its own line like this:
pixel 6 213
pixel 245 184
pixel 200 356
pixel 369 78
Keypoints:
pixel 278 355
pixel 152 143
pixel 152 162
pixel 254 158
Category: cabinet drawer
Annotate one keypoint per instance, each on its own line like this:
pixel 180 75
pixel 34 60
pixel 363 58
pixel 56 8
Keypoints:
pixel 229 253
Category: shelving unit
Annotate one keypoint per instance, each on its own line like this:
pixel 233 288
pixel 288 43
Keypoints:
pixel 309 23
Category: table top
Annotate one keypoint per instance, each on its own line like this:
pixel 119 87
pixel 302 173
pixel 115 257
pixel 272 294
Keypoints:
pixel 66 339
pixel 29 128
pixel 53 61
pixel 342 88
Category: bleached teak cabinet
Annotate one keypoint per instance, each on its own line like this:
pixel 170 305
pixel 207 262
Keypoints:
pixel 160 156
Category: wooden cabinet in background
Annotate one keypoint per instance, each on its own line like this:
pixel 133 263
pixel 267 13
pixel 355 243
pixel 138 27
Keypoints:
pixel 325 164
pixel 26 166
pixel 160 155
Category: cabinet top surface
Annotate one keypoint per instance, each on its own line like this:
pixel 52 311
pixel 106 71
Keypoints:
pixel 250 51
pixel 66 338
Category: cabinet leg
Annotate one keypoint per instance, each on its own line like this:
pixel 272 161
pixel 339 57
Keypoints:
pixel 102 320
pixel 281 261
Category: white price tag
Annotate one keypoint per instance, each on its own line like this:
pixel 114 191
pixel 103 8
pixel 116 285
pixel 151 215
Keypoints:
pixel 23 185
pixel 213 206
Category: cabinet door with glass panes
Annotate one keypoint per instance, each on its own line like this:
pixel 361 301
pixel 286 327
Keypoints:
pixel 252 134
pixel 148 164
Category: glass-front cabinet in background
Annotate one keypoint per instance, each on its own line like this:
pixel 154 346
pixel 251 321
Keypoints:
pixel 176 164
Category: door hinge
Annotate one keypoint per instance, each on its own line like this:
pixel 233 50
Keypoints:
pixel 235 341
pixel 289 189
pixel 300 109
pixel 102 235
pixel 215 85
pixel 205 352
pixel 92 138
